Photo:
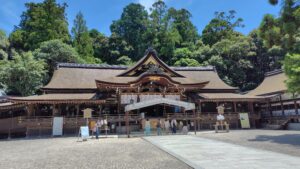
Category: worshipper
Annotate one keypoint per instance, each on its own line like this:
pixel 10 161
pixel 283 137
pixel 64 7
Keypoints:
pixel 147 127
pixel 173 125
pixel 158 127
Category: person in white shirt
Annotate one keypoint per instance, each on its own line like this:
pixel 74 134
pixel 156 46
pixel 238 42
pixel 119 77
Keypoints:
pixel 174 125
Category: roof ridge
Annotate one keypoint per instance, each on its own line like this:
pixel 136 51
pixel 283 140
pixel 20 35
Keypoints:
pixel 90 66
pixel 123 67
pixel 273 72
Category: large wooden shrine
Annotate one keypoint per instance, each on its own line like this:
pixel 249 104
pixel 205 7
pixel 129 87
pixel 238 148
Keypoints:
pixel 125 96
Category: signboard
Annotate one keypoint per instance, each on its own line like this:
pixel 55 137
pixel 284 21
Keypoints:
pixel 220 109
pixel 57 128
pixel 87 113
pixel 244 118
pixel 84 131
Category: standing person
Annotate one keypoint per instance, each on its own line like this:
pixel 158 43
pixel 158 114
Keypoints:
pixel 167 126
pixel 98 125
pixel 158 127
pixel 173 125
pixel 147 127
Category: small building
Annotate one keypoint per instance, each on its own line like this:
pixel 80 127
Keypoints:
pixel 126 96
pixel 281 103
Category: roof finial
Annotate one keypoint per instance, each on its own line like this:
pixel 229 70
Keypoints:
pixel 151 50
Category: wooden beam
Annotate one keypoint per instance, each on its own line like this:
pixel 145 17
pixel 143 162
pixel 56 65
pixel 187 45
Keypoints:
pixel 281 104
pixel 127 123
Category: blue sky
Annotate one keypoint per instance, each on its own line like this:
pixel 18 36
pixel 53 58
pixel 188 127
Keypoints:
pixel 99 14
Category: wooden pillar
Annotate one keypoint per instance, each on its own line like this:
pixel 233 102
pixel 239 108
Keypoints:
pixel 30 110
pixel 195 130
pixel 53 110
pixel 234 106
pixel 127 123
pixel 296 106
pixel 281 104
pixel 269 108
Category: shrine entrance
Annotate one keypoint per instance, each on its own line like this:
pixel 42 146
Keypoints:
pixel 156 111
pixel 151 106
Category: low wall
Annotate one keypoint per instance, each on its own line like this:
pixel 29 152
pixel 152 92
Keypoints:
pixel 294 126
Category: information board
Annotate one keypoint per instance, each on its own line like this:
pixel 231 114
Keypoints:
pixel 84 131
pixel 244 118
pixel 57 128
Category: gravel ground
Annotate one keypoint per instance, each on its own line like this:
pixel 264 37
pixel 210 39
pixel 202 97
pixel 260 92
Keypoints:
pixel 118 153
pixel 282 141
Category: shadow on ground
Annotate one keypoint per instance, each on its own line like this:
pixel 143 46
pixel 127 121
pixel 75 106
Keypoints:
pixel 291 139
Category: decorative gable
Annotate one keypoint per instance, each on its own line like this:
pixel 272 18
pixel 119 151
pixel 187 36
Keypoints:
pixel 152 64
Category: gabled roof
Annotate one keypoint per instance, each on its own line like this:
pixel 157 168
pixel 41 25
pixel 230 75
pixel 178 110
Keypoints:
pixel 273 83
pixel 150 58
pixel 82 76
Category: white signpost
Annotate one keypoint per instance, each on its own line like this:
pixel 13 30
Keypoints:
pixel 84 130
pixel 57 128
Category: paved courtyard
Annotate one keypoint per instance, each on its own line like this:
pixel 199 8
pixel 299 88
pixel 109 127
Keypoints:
pixel 281 141
pixel 110 153
pixel 211 154
pixel 250 149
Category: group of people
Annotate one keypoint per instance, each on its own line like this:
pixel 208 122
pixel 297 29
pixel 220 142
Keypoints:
pixel 169 126
pixel 97 127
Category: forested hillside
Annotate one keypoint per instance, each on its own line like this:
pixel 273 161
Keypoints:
pixel 29 53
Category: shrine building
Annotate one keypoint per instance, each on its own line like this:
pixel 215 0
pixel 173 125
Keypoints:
pixel 126 96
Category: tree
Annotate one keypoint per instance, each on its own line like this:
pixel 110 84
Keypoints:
pixel 4 44
pixel 273 2
pixel 124 60
pixel 221 27
pixel 81 39
pixel 187 62
pixel 100 45
pixel 233 60
pixel 23 75
pixel 55 51
pixel 270 31
pixel 180 20
pixel 42 22
pixel 132 27
pixel 292 70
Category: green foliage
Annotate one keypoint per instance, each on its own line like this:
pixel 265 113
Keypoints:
pixel 81 39
pixel 55 51
pixel 132 27
pixel 4 44
pixel 187 62
pixel 124 60
pixel 292 70
pixel 233 60
pixel 221 27
pixel 270 31
pixel 24 75
pixel 42 22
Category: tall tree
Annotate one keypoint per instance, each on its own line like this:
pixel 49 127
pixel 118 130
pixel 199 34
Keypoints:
pixel 180 20
pixel 221 27
pixel 132 27
pixel 81 39
pixel 55 51
pixel 292 70
pixel 270 31
pixel 23 75
pixel 42 22
pixel 232 58
pixel 4 44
